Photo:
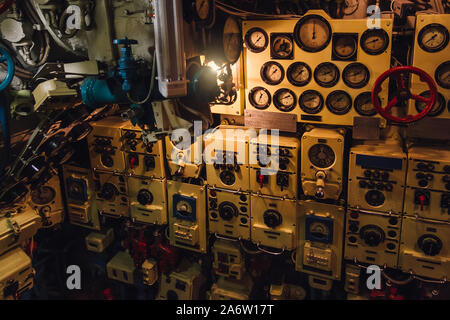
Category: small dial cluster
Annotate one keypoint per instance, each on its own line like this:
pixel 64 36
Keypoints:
pixel 104 147
pixel 228 166
pixel 376 181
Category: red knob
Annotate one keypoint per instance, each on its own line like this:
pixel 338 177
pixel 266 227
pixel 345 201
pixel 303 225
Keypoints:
pixel 132 162
pixel 422 201
pixel 261 180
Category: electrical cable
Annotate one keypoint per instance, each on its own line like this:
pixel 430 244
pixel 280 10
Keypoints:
pixel 152 83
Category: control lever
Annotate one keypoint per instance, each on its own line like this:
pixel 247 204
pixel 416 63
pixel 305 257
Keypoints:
pixel 320 183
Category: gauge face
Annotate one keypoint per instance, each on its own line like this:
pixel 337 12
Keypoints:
pixel 312 33
pixel 282 46
pixel 321 155
pixel 437 108
pixel 344 46
pixel 202 9
pixel 433 38
pixel 232 40
pixel 259 97
pixel 374 41
pixel 364 105
pixel 299 74
pixel 285 100
pixel 311 101
pixel 319 230
pixel 184 208
pixel 356 75
pixel 442 75
pixel 339 102
pixel 272 73
pixel 256 40
pixel 326 74
pixel 43 195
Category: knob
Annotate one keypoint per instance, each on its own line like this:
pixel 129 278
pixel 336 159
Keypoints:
pixel 227 210
pixel 108 191
pixel 367 173
pixel 372 235
pixel 144 197
pixel 430 244
pixel 385 176
pixel 272 218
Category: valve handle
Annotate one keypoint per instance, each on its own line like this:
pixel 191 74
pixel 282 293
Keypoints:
pixel 6 57
pixel 125 41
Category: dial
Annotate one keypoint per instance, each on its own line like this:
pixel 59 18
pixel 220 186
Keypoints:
pixel 285 100
pixel 272 73
pixel 374 41
pixel 43 195
pixel 339 102
pixel 227 210
pixel 312 33
pixel 260 98
pixel 437 108
pixel 442 75
pixel 321 155
pixel 232 40
pixel 282 46
pixel 344 46
pixel 203 9
pixel 256 40
pixel 375 198
pixel 430 244
pixel 299 74
pixel 372 235
pixel 144 197
pixel 319 230
pixel 433 37
pixel 356 75
pixel 311 101
pixel 326 74
pixel 108 191
pixel 184 208
pixel 364 105
pixel 272 218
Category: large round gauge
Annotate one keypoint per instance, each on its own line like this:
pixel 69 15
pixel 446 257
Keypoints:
pixel 282 46
pixel 311 101
pixel 363 104
pixel 374 41
pixel 260 98
pixel 442 75
pixel 256 40
pixel 232 40
pixel 203 9
pixel 312 33
pixel 299 74
pixel 321 155
pixel 272 73
pixel 284 100
pixel 43 195
pixel 356 75
pixel 339 102
pixel 433 37
pixel 344 47
pixel 326 74
pixel 437 108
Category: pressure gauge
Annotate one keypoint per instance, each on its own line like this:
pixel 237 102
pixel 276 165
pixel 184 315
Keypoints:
pixel 344 46
pixel 203 9
pixel 374 41
pixel 339 102
pixel 184 209
pixel 259 97
pixel 256 40
pixel 326 74
pixel 299 74
pixel 321 155
pixel 43 195
pixel 232 40
pixel 312 33
pixel 311 101
pixel 363 104
pixel 433 37
pixel 437 108
pixel 356 75
pixel 272 73
pixel 284 100
pixel 319 230
pixel 282 46
pixel 442 75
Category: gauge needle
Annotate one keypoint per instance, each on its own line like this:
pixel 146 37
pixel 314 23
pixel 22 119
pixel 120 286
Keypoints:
pixel 355 73
pixel 314 30
pixel 325 73
pixel 434 36
pixel 299 73
pixel 287 97
pixel 374 40
pixel 274 71
pixel 311 99
pixel 260 97
pixel 257 40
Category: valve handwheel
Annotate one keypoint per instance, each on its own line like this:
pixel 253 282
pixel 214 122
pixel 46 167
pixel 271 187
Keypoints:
pixel 6 57
pixel 403 93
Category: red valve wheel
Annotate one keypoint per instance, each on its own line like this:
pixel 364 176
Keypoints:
pixel 403 93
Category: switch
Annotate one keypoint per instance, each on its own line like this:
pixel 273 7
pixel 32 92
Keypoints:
pixel 283 180
pixel 133 159
pixel 149 162
pixel 422 198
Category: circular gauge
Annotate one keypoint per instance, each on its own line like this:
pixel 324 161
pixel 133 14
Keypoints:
pixel 375 198
pixel 43 195
pixel 433 38
pixel 299 74
pixel 356 75
pixel 363 104
pixel 344 47
pixel 285 100
pixel 282 46
pixel 108 191
pixel 321 155
pixel 442 75
pixel 259 97
pixel 326 74
pixel 272 73
pixel 227 177
pixel 437 108
pixel 203 9
pixel 319 231
pixel 311 101
pixel 184 208
pixel 256 40
pixel 312 33
pixel 232 40
pixel 374 41
pixel 339 102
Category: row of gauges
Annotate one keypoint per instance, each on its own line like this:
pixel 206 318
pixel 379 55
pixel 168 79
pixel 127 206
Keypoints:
pixel 312 34
pixel 311 101
pixel 327 74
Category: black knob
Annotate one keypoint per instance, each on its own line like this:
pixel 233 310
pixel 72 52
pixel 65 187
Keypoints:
pixel 353 227
pixel 272 218
pixel 447 169
pixel 389 187
pixel 385 176
pixel 380 186
pixel 144 197
pixel 423 183
pixel 372 235
pixel 422 166
pixel 430 244
pixel 446 178
pixel 149 162
pixel 420 175
pixel 108 191
pixel 367 173
pixel 227 210
pixel 376 174
pixel 429 177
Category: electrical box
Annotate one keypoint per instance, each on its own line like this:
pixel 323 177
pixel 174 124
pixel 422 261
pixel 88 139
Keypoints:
pixel 228 259
pixel 98 242
pixel 16 274
pixel 121 268
pixel 184 285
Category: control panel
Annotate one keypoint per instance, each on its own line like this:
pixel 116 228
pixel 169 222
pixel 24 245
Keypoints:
pixel 184 159
pixel 228 259
pixel 112 195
